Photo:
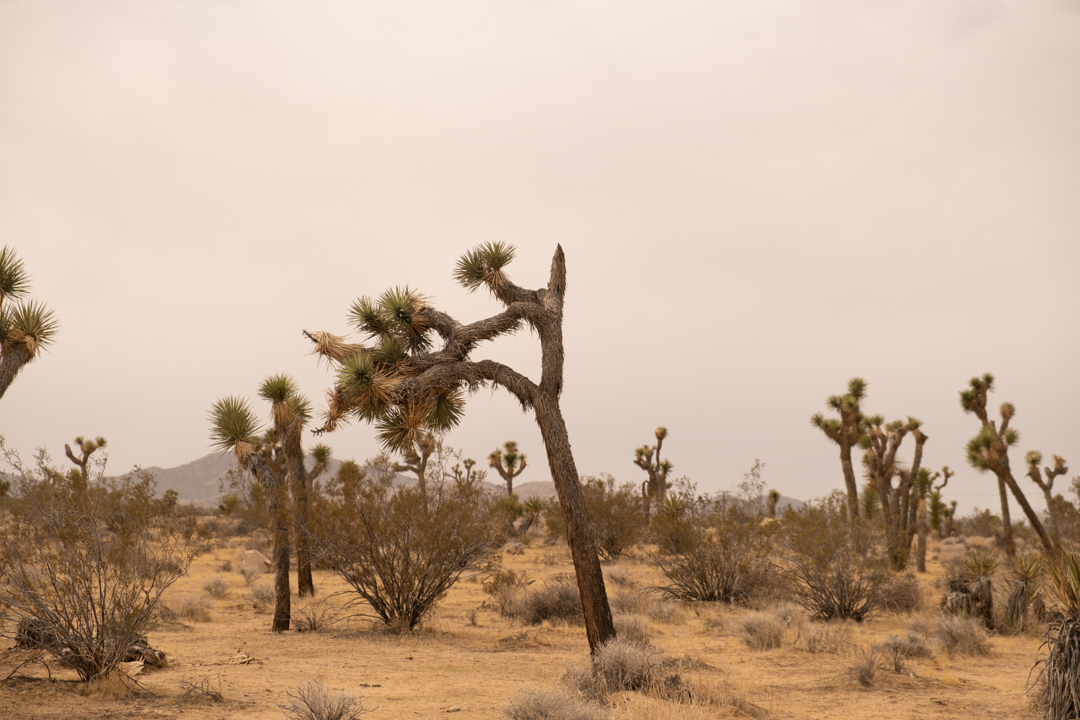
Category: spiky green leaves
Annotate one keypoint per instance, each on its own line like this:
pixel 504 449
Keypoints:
pixel 28 323
pixel 1034 457
pixel 14 280
pixel 980 563
pixel 446 411
pixel 484 265
pixel 857 388
pixel 278 388
pixel 397 316
pixel 321 454
pixel 233 426
pixel 365 387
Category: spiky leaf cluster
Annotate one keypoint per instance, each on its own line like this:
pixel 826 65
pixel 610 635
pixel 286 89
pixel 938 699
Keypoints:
pixel 484 265
pixel 234 426
pixel 28 323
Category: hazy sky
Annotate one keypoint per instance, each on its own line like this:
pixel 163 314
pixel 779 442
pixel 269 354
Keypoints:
pixel 758 200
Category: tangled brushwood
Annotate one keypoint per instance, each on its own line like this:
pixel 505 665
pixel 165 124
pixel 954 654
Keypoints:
pixel 83 565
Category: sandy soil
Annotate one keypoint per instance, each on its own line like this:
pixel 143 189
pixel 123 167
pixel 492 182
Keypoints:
pixel 454 663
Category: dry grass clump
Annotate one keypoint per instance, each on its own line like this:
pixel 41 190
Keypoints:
pixel 830 638
pixel 761 631
pixel 216 587
pixel 902 595
pixel 962 636
pixel 664 612
pixel 315 701
pixel 896 649
pixel 555 703
pixel 616 575
pixel 262 594
pixel 632 628
pixel 193 609
pixel 865 667
pixel 316 617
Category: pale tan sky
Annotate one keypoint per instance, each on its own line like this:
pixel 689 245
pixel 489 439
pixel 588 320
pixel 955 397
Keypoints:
pixel 758 200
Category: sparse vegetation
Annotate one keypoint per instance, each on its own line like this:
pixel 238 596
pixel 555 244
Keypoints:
pixel 217 587
pixel 962 636
pixel 315 701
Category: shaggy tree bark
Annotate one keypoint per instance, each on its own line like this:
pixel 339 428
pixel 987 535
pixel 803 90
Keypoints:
pixel 297 479
pixel 405 394
pixel 275 494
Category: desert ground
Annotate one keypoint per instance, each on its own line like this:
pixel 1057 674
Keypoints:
pixel 223 662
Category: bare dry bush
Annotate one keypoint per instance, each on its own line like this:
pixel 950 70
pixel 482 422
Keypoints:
pixel 761 631
pixel 315 701
pixel 865 666
pixel 557 599
pixel 895 650
pixel 632 629
pixel 262 594
pixel 401 549
pixel 316 617
pixel 85 564
pixel 962 636
pixel 831 638
pixel 193 609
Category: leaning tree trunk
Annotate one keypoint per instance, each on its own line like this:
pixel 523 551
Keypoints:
pixel 1032 517
pixel 1006 521
pixel 275 493
pixel 16 357
pixel 599 627
pixel 297 479
pixel 1051 514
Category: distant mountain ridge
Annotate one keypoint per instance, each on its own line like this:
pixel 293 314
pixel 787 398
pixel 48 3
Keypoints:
pixel 199 482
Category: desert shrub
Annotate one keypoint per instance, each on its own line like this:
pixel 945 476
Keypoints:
pixel 401 549
pixel 315 701
pixel 962 636
pixel 831 568
pixel 711 551
pixel 216 587
pixel 761 631
pixel 262 594
pixel 615 511
pixel 86 563
pixel 632 629
pixel 1058 684
pixel 316 617
pixel 617 576
pixel 896 649
pixel 555 703
pixel 865 666
pixel 556 599
pixel 1024 607
pixel 901 594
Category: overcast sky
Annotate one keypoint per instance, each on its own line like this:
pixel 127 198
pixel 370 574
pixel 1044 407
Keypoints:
pixel 758 200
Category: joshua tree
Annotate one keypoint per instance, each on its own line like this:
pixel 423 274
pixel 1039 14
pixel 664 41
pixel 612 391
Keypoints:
pixel 770 503
pixel 87 448
pixel 923 483
pixel 407 388
pixel 898 506
pixel 936 508
pixel 505 461
pixel 290 411
pixel 234 428
pixel 466 475
pixel 1033 459
pixel 846 432
pixel 25 329
pixel 417 453
pixel 653 490
pixel 989 450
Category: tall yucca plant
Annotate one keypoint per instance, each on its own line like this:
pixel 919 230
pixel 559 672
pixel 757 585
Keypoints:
pixel 26 328
pixel 290 411
pixel 989 451
pixel 401 383
pixel 234 428
pixel 1059 682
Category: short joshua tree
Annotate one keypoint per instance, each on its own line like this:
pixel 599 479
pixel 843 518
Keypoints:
pixel 1033 459
pixel 846 431
pixel 654 489
pixel 509 463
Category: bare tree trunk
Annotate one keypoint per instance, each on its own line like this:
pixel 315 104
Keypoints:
pixel 849 481
pixel 599 627
pixel 275 493
pixel 297 480
pixel 1032 517
pixel 920 562
pixel 1048 495
pixel 17 356
pixel 1006 520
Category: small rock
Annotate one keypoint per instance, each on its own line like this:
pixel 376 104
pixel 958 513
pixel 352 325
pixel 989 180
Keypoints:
pixel 454 708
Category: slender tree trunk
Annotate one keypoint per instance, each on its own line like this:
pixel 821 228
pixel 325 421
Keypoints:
pixel 17 356
pixel 297 480
pixel 1032 517
pixel 275 494
pixel 1048 494
pixel 1006 520
pixel 849 481
pixel 920 562
pixel 599 627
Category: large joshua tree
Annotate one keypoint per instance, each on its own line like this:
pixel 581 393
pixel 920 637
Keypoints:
pixel 1033 459
pixel 26 328
pixel 290 411
pixel 509 463
pixel 647 457
pixel 407 387
pixel 881 442
pixel 989 450
pixel 846 431
pixel 234 428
